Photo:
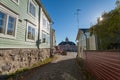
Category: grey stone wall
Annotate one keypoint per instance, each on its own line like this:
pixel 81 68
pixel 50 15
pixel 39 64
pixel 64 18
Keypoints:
pixel 15 59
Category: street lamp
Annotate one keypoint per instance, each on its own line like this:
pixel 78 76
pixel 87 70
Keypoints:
pixel 101 18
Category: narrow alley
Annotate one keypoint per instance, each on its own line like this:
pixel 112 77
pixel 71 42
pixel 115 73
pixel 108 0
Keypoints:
pixel 63 68
pixel 59 39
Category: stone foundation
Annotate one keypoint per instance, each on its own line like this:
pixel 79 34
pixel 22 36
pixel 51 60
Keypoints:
pixel 15 59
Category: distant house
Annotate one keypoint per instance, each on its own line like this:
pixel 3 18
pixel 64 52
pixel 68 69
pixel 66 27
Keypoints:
pixel 53 38
pixel 67 46
pixel 85 41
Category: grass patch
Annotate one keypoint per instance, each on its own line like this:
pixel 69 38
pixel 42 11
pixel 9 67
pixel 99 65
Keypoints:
pixel 12 75
pixel 86 75
pixel 47 60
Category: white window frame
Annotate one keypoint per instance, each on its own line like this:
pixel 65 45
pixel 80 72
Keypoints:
pixel 33 26
pixel 9 13
pixel 47 26
pixel 43 33
pixel 44 18
pixel 44 23
pixel 47 37
pixel 16 2
pixel 31 1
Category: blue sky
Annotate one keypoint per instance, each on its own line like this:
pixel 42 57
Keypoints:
pixel 63 15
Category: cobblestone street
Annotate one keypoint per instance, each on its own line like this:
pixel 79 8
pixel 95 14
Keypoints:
pixel 63 68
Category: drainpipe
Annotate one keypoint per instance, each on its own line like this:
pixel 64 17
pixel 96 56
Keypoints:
pixel 86 40
pixel 51 43
pixel 38 41
pixel 51 40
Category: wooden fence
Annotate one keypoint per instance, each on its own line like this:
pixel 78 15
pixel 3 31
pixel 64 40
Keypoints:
pixel 105 65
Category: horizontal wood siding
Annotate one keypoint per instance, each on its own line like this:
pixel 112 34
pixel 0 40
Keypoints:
pixel 104 65
pixel 22 10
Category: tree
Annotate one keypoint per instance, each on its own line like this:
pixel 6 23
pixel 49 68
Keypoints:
pixel 108 30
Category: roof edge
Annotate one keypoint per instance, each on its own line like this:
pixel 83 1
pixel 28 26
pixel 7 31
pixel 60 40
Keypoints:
pixel 44 10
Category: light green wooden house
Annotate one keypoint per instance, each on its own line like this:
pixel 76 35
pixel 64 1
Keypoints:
pixel 24 24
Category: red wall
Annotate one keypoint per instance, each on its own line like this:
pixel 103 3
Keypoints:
pixel 105 65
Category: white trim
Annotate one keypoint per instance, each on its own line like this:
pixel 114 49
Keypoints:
pixel 31 25
pixel 46 37
pixel 47 26
pixel 16 2
pixel 9 13
pixel 35 9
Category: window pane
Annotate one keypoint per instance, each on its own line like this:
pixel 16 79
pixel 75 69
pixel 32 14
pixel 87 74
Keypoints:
pixel 2 22
pixel 44 22
pixel 32 9
pixel 11 26
pixel 29 32
pixel 43 38
pixel 33 34
pixel 48 26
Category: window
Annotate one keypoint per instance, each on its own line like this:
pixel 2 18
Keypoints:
pixel 45 38
pixel 32 9
pixel 16 1
pixel 8 22
pixel 48 26
pixel 31 32
pixel 44 22
pixel 48 39
pixel 11 26
pixel 3 18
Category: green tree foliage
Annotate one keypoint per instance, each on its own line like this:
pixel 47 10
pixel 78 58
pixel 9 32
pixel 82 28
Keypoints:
pixel 108 30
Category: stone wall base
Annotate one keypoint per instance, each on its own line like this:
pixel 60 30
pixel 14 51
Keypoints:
pixel 12 60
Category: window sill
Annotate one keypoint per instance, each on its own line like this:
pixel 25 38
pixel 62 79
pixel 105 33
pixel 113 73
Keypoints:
pixel 34 17
pixel 29 40
pixel 7 36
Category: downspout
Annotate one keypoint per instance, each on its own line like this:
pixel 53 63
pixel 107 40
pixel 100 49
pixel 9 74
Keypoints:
pixel 51 40
pixel 86 40
pixel 38 41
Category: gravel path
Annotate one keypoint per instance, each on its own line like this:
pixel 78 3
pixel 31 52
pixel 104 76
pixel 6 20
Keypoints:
pixel 64 68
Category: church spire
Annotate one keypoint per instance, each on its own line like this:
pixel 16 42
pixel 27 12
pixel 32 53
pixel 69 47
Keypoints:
pixel 67 40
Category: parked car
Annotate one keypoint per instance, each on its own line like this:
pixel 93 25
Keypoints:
pixel 64 52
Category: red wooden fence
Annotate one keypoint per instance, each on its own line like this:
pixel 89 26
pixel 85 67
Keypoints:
pixel 104 65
